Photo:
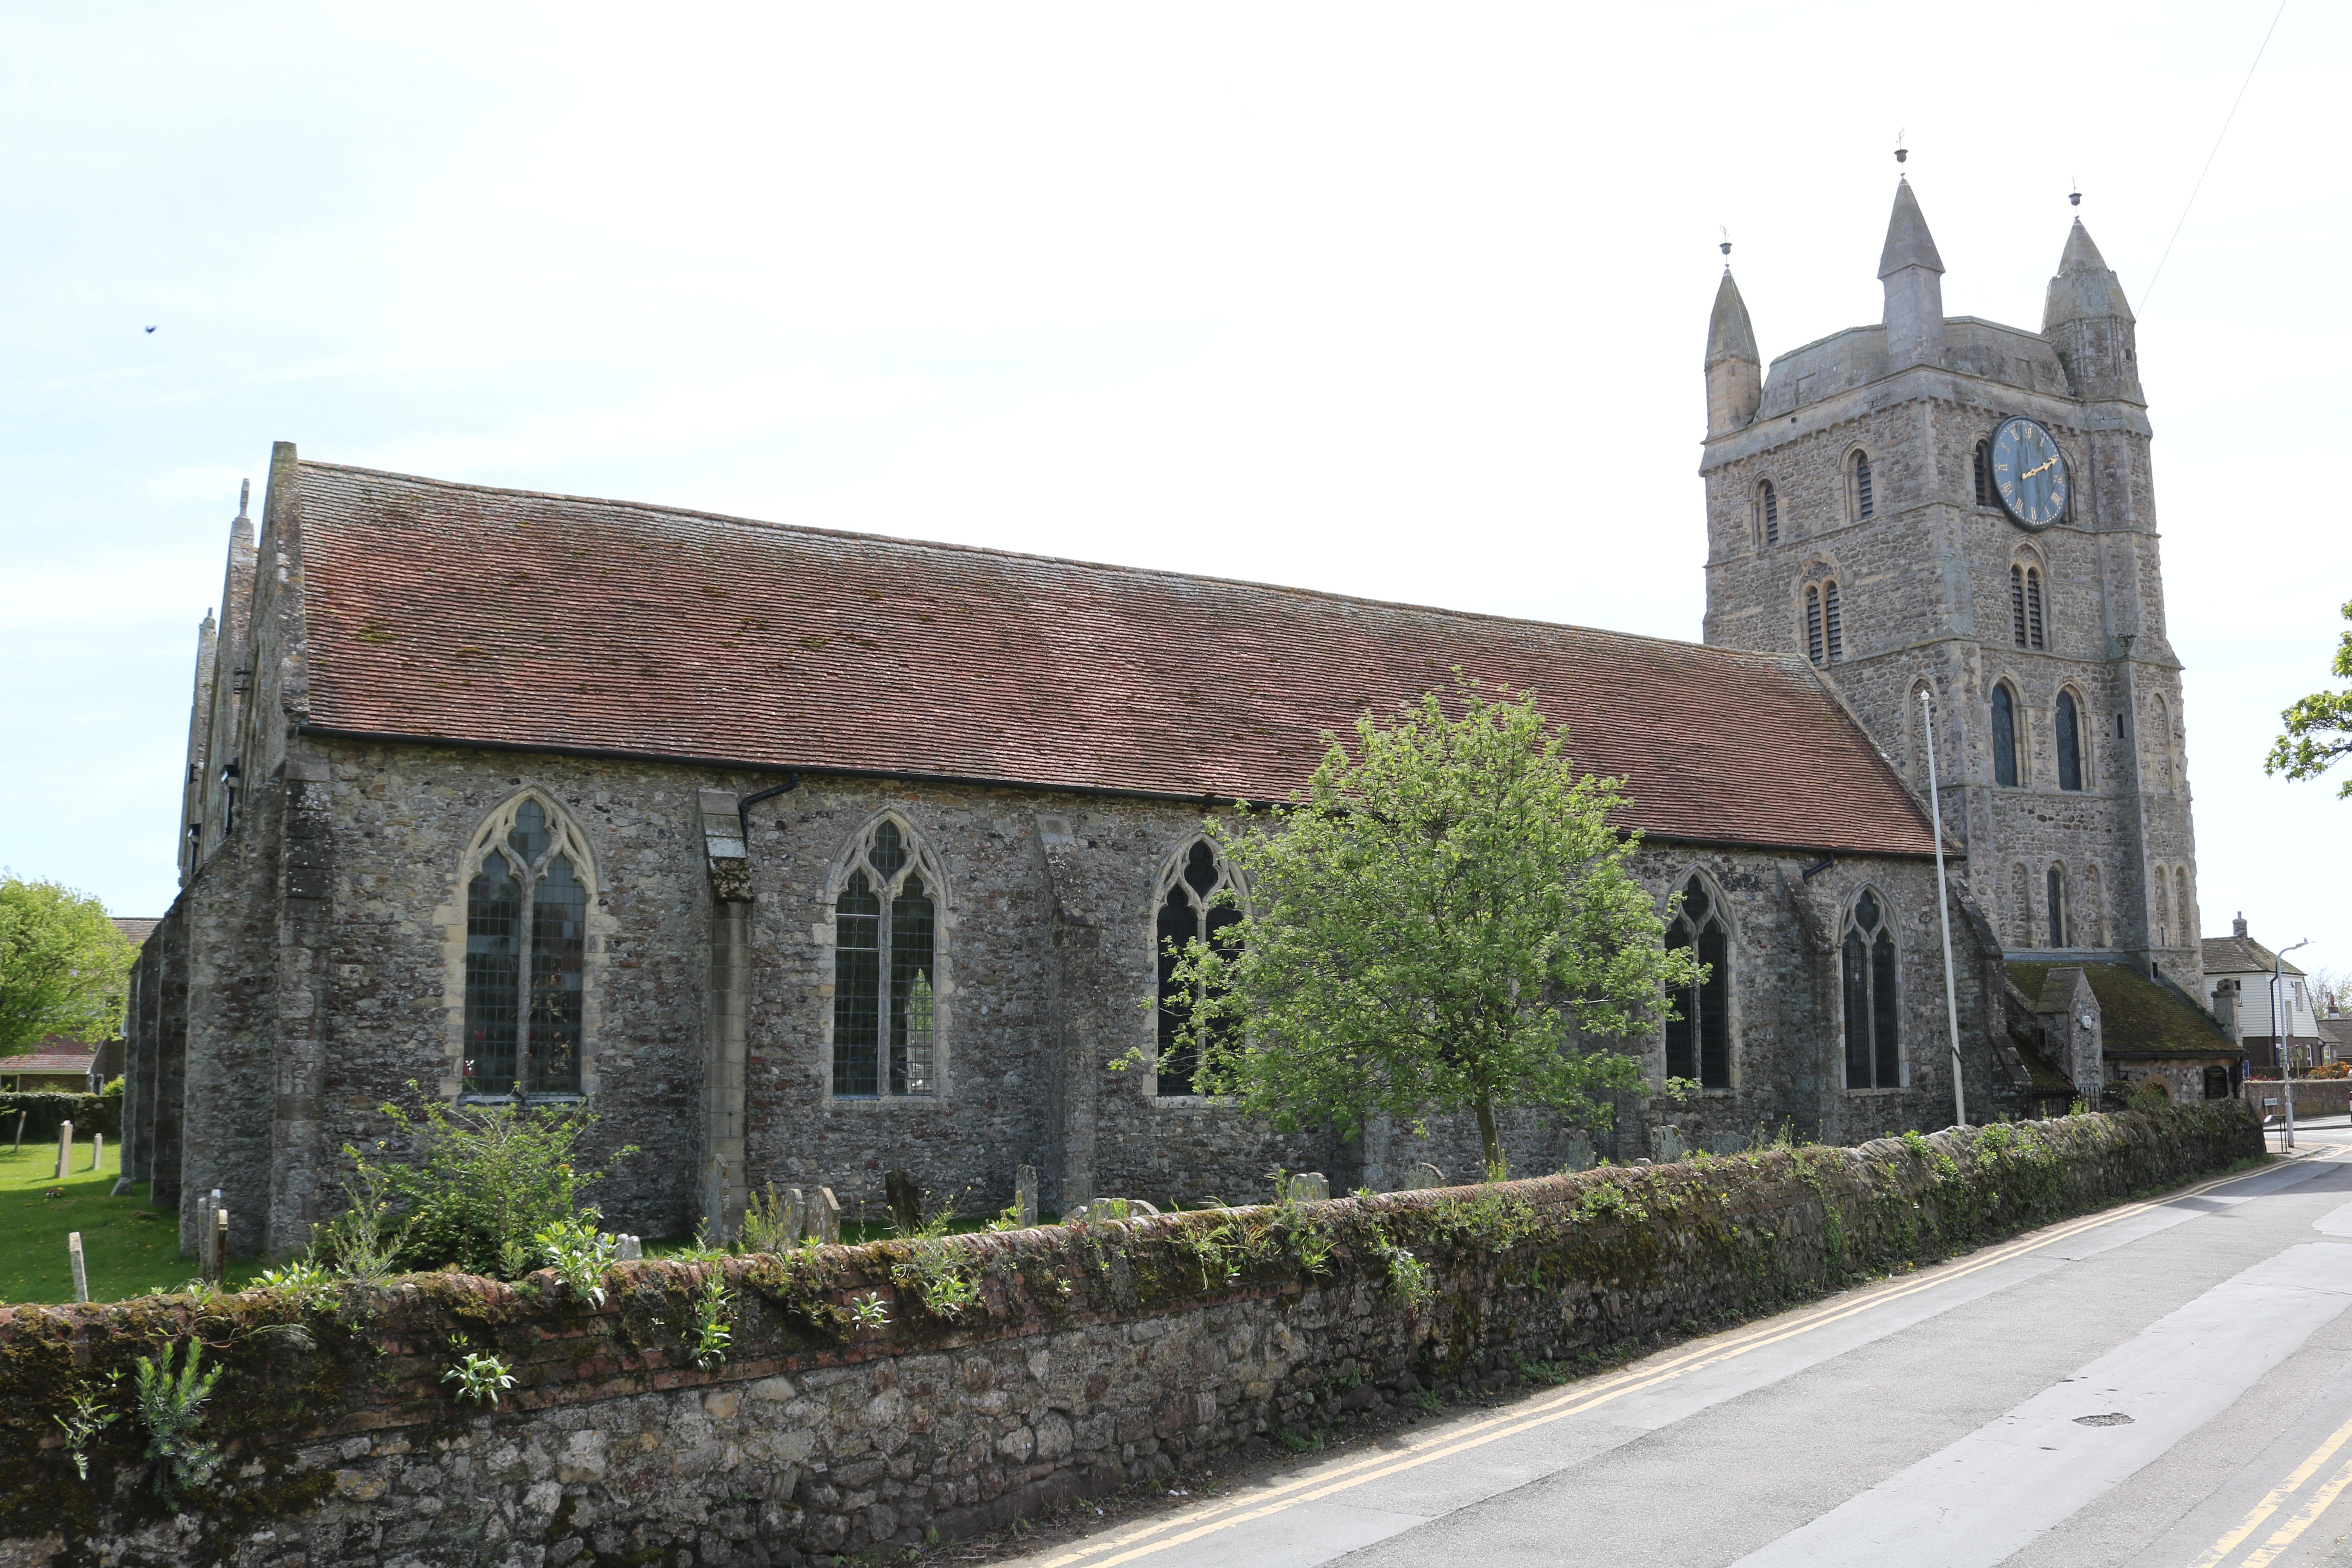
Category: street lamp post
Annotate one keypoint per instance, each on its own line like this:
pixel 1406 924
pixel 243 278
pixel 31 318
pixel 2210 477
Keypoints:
pixel 1944 909
pixel 2283 1020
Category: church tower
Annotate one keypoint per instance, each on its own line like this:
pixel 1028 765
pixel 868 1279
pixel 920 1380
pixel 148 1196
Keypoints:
pixel 1945 504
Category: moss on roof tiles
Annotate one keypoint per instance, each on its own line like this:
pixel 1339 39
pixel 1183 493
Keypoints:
pixel 2136 1014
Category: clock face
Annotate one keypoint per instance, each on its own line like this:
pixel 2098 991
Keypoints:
pixel 2029 473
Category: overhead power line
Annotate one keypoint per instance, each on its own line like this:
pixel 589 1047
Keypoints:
pixel 2209 159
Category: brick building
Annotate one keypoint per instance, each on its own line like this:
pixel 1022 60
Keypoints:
pixel 812 854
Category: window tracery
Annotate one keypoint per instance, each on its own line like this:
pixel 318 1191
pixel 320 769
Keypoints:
pixel 886 969
pixel 1874 1053
pixel 1698 1039
pixel 526 900
pixel 1191 903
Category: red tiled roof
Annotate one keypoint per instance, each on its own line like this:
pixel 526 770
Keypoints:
pixel 52 1056
pixel 136 929
pixel 467 613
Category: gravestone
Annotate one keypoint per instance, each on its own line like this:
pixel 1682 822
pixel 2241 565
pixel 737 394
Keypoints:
pixel 628 1248
pixel 1579 1151
pixel 1666 1144
pixel 1025 1196
pixel 1422 1177
pixel 1102 1209
pixel 1310 1186
pixel 795 1225
pixel 825 1217
pixel 906 1201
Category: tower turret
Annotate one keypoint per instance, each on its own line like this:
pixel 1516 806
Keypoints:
pixel 1734 374
pixel 2089 322
pixel 1914 276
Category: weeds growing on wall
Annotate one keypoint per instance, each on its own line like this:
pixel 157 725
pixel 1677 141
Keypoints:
pixel 171 1406
pixel 88 1417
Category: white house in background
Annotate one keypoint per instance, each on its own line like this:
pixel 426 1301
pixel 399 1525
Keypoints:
pixel 2238 979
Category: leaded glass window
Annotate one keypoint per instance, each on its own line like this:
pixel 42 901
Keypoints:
pixel 2004 737
pixel 1874 1055
pixel 526 950
pixel 886 922
pixel 1698 1039
pixel 2070 742
pixel 1199 900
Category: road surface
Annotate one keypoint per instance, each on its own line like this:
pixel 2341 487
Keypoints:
pixel 2164 1385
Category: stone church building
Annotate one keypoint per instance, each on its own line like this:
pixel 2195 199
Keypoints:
pixel 810 855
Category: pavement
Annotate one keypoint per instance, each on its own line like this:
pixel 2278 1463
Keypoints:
pixel 2165 1384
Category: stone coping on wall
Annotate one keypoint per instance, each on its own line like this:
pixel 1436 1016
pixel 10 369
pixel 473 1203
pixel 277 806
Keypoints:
pixel 1086 1358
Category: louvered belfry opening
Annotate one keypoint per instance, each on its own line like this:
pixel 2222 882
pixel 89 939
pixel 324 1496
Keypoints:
pixel 2033 608
pixel 1768 504
pixel 1981 465
pixel 1863 504
pixel 1815 648
pixel 1833 625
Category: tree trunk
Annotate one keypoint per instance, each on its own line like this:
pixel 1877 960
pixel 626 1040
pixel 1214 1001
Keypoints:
pixel 1486 1136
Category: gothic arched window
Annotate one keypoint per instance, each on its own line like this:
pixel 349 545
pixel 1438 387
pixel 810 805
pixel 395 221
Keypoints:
pixel 1824 623
pixel 1874 1052
pixel 526 945
pixel 1190 904
pixel 2070 742
pixel 1858 485
pixel 1767 513
pixel 2055 885
pixel 2004 736
pixel 1698 1040
pixel 1980 468
pixel 886 922
pixel 2025 625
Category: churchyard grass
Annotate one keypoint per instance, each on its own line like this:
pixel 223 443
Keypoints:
pixel 128 1249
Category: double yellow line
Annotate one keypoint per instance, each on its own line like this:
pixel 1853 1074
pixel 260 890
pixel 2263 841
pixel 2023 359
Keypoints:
pixel 2286 1534
pixel 1191 1524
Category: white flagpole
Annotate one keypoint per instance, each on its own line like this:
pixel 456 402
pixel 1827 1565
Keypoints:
pixel 1944 912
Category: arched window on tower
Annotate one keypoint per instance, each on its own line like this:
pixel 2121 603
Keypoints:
pixel 886 971
pixel 1698 1041
pixel 1873 1054
pixel 1858 485
pixel 1198 899
pixel 526 943
pixel 1768 515
pixel 1824 622
pixel 2069 730
pixel 2025 605
pixel 1980 468
pixel 2055 887
pixel 2004 736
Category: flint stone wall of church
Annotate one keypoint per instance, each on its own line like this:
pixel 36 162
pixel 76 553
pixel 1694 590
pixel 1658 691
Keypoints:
pixel 1046 974
pixel 1096 1358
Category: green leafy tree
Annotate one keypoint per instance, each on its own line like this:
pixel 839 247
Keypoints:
pixel 1445 922
pixel 64 968
pixel 2318 727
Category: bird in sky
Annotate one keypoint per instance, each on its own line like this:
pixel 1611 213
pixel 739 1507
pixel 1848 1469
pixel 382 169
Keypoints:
pixel 151 329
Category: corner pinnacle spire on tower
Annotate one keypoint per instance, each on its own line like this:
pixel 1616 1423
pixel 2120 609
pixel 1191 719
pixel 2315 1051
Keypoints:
pixel 1735 372
pixel 1913 274
pixel 2089 321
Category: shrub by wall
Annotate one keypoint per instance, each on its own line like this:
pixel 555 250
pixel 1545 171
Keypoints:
pixel 1013 1371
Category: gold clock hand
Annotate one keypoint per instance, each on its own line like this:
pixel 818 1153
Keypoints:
pixel 2030 472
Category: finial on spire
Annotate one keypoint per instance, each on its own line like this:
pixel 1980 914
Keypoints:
pixel 1726 238
pixel 1901 153
pixel 2074 196
pixel 244 495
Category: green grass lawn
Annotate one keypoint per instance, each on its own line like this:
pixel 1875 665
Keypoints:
pixel 128 1249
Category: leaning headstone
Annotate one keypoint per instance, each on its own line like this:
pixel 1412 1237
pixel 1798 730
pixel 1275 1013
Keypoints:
pixel 1579 1151
pixel 795 1215
pixel 1422 1177
pixel 824 1215
pixel 1666 1144
pixel 1025 1196
pixel 906 1201
pixel 628 1248
pixel 1310 1186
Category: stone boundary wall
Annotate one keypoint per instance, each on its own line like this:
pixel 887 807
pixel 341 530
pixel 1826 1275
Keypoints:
pixel 1089 1356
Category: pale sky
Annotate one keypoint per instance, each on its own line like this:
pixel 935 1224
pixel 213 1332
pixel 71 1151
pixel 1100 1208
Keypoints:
pixel 1399 301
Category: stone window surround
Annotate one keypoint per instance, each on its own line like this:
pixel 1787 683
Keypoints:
pixel 922 860
pixel 1893 924
pixel 1849 487
pixel 1171 867
pixel 2089 735
pixel 1720 908
pixel 1822 575
pixel 570 838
